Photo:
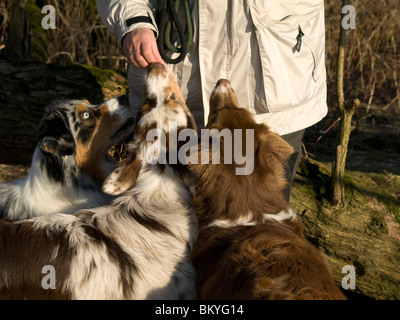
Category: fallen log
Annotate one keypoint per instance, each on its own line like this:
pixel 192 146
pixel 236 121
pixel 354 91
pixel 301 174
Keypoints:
pixel 365 234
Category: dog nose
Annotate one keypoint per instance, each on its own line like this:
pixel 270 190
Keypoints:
pixel 223 82
pixel 156 68
pixel 156 65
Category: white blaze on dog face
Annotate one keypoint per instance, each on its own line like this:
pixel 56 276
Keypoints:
pixel 171 108
pixel 156 83
pixel 222 96
pixel 163 101
pixel 164 111
pixel 98 128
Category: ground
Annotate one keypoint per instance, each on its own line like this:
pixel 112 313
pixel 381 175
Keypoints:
pixel 366 232
pixel 10 172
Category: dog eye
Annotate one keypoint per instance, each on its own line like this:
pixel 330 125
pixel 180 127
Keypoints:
pixel 85 115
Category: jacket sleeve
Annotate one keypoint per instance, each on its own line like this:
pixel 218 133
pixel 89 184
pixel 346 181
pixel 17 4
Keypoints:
pixel 123 16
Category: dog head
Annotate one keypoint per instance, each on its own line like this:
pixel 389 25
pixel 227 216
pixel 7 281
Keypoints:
pixel 160 120
pixel 76 133
pixel 220 191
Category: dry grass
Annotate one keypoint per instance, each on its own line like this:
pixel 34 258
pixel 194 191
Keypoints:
pixel 80 37
pixel 372 65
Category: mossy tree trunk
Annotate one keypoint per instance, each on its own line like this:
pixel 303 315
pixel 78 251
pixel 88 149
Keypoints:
pixel 339 163
pixel 347 112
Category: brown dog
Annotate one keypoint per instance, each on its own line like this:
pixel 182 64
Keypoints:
pixel 250 243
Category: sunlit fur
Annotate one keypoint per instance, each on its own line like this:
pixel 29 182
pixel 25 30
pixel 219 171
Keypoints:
pixel 250 243
pixel 70 162
pixel 138 247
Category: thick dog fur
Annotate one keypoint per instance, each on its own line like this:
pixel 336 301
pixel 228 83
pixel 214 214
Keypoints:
pixel 138 247
pixel 250 243
pixel 70 162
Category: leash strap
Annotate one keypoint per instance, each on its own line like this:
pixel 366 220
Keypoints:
pixel 167 20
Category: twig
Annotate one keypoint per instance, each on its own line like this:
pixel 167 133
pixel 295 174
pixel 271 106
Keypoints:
pixel 60 53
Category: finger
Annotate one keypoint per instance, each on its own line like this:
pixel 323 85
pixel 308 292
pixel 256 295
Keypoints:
pixel 130 55
pixel 128 46
pixel 157 55
pixel 139 61
pixel 147 53
pixel 131 60
pixel 136 59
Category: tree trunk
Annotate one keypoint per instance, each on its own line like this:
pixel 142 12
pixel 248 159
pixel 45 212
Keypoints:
pixel 346 111
pixel 27 87
pixel 339 164
pixel 19 41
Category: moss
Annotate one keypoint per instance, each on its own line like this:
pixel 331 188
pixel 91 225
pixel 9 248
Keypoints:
pixel 393 207
pixel 377 225
pixel 356 234
pixel 38 34
pixel 101 75
pixel 114 82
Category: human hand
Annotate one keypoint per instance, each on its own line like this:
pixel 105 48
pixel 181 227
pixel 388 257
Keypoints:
pixel 140 48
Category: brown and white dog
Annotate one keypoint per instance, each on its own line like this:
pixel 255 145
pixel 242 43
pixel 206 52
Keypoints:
pixel 138 247
pixel 71 161
pixel 250 243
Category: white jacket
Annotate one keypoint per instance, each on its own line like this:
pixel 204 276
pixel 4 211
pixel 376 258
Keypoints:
pixel 253 44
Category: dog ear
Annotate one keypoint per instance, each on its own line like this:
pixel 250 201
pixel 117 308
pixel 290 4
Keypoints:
pixel 56 147
pixel 123 177
pixel 55 136
pixel 272 151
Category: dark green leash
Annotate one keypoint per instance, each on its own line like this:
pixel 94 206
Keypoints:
pixel 168 20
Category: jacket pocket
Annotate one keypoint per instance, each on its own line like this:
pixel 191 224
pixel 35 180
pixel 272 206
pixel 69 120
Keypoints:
pixel 290 39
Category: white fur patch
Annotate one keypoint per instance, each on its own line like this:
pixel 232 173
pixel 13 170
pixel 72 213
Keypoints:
pixel 281 216
pixel 165 118
pixel 222 89
pixel 114 107
pixel 112 185
pixel 156 85
pixel 248 220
